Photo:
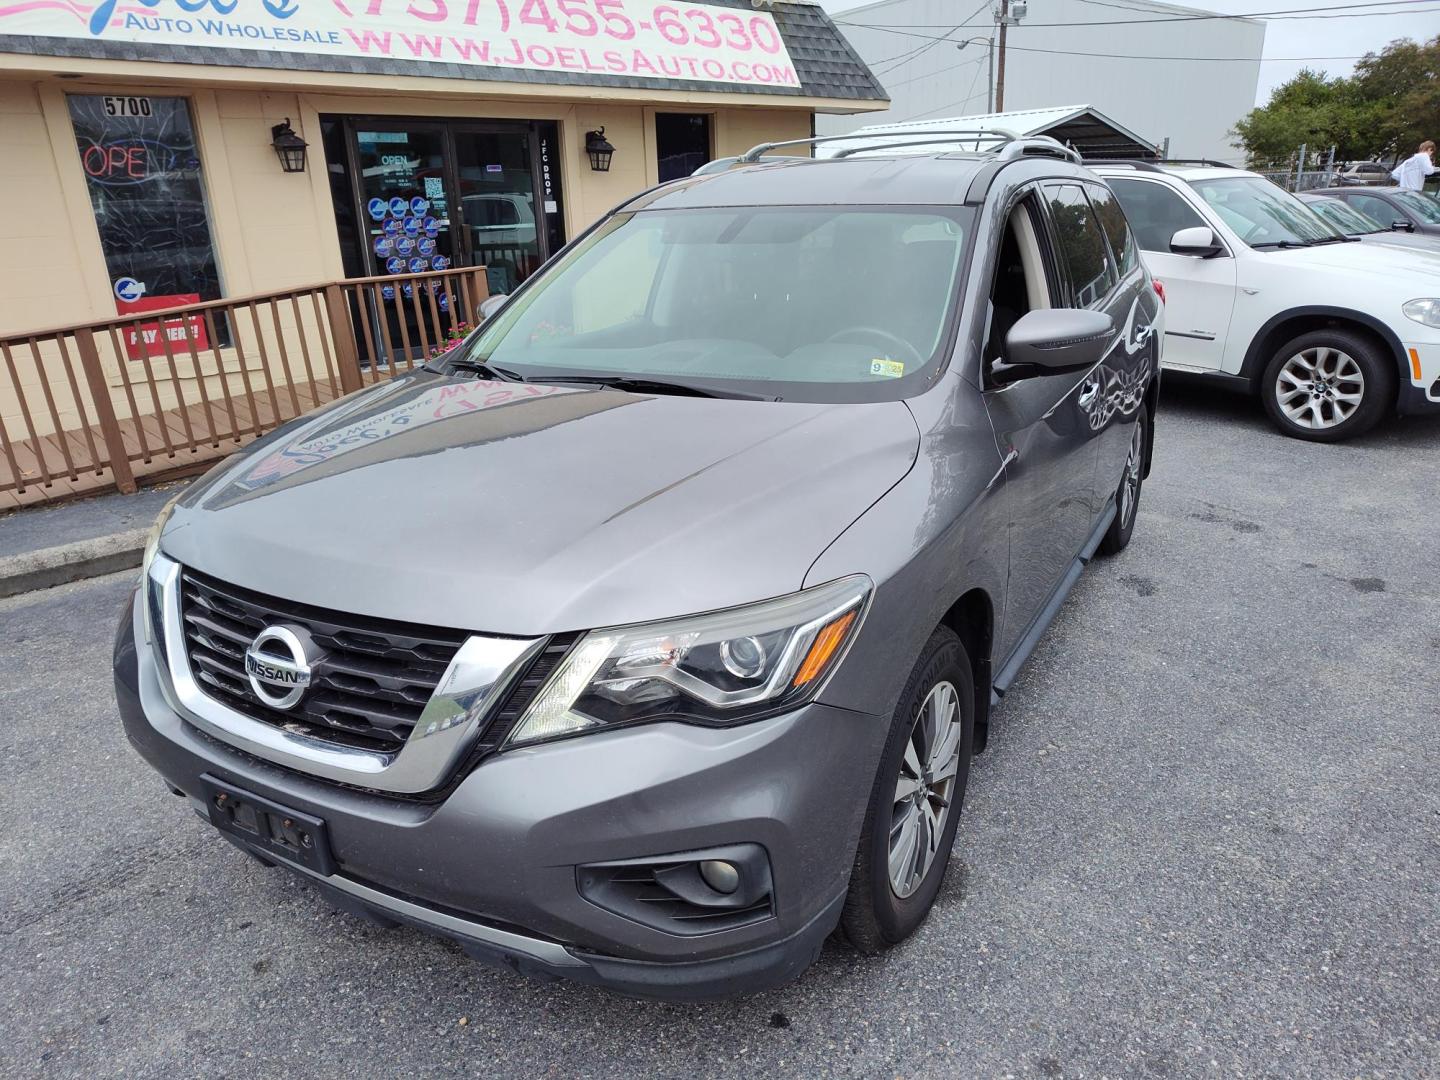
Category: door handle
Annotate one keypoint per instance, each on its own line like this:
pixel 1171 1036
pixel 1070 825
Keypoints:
pixel 1089 391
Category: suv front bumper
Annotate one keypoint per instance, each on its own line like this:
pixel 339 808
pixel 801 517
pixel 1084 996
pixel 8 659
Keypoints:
pixel 494 865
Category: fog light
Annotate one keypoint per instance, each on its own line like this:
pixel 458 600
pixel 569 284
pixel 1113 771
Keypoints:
pixel 720 876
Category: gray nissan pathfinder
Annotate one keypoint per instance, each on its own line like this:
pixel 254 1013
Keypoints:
pixel 645 639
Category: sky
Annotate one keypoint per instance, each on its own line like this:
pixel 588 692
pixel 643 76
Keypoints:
pixel 1294 37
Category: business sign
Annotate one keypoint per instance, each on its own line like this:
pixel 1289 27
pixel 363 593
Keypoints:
pixel 632 38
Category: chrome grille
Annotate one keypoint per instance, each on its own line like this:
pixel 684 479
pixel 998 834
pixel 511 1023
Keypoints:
pixel 367 691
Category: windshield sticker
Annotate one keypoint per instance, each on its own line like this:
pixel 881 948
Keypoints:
pixel 890 369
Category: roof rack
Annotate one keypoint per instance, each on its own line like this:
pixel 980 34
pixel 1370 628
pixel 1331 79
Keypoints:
pixel 1197 161
pixel 1137 165
pixel 1006 144
pixel 1154 166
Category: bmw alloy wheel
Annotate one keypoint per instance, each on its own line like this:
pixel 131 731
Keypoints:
pixel 924 789
pixel 1320 387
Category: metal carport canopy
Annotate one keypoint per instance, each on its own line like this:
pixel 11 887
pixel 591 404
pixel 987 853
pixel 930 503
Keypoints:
pixel 1087 129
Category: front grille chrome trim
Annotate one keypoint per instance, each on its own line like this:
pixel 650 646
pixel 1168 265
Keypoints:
pixel 482 672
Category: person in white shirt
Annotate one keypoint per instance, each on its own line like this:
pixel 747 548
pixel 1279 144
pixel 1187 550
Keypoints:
pixel 1411 173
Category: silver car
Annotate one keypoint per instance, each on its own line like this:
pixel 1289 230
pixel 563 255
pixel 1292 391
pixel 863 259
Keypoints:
pixel 646 639
pixel 1349 221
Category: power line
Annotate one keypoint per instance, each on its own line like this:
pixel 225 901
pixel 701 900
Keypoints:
pixel 911 29
pixel 948 105
pixel 905 58
pixel 1196 59
pixel 938 71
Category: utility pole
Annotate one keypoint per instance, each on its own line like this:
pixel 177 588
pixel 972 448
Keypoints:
pixel 990 77
pixel 1000 76
pixel 1008 14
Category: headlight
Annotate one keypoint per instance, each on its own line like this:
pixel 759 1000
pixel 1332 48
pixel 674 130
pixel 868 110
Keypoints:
pixel 152 547
pixel 152 541
pixel 714 669
pixel 1425 311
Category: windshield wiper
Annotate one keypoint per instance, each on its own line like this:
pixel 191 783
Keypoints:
pixel 478 367
pixel 1282 244
pixel 1337 240
pixel 645 385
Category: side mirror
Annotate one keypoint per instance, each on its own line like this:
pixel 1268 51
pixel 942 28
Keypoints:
pixel 1053 340
pixel 1401 225
pixel 1198 241
pixel 492 304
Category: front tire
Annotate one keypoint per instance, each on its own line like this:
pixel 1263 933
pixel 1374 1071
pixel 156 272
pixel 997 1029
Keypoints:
pixel 914 806
pixel 1328 385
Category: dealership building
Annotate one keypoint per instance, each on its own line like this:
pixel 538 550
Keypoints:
pixel 164 152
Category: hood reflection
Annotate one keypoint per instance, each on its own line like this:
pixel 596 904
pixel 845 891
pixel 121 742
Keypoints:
pixel 405 420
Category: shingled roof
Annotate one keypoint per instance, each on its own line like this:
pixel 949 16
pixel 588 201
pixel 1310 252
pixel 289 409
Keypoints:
pixel 824 61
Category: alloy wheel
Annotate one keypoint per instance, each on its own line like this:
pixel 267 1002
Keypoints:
pixel 1320 387
pixel 1130 482
pixel 925 788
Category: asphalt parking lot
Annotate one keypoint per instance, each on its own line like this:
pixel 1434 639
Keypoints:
pixel 1205 840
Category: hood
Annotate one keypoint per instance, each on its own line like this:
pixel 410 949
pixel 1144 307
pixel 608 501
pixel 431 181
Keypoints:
pixel 1413 241
pixel 1410 265
pixel 527 509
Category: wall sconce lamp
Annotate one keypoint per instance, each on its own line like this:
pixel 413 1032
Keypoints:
pixel 289 147
pixel 599 149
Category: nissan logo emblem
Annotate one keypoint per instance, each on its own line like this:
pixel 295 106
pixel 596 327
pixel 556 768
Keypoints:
pixel 280 664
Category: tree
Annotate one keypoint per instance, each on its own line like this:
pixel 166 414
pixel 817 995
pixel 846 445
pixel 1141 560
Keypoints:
pixel 1403 83
pixel 1390 104
pixel 1312 109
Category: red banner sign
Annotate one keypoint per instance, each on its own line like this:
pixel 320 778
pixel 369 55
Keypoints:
pixel 144 339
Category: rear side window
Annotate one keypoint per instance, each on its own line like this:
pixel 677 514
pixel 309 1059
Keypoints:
pixel 1156 213
pixel 1083 249
pixel 1117 231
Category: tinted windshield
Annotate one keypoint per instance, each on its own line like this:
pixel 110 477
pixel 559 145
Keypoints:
pixel 1422 204
pixel 1262 214
pixel 797 302
pixel 1344 216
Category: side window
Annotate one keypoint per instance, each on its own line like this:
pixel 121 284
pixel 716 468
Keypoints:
pixel 1117 230
pixel 1156 213
pixel 1084 251
pixel 1378 209
pixel 1020 285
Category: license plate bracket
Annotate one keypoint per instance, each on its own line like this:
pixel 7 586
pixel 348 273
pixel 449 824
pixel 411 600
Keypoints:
pixel 269 827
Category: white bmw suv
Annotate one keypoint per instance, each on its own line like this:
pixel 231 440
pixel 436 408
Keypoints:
pixel 1263 293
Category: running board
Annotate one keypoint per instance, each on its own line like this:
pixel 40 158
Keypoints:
pixel 1007 674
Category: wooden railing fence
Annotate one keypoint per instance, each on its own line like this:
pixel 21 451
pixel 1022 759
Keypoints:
pixel 145 397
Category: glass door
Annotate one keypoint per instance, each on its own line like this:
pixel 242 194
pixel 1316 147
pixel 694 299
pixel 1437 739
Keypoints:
pixel 498 206
pixel 403 191
pixel 404 197
pixel 430 194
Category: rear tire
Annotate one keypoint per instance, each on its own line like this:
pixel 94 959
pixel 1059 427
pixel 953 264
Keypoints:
pixel 918 792
pixel 1328 385
pixel 1127 495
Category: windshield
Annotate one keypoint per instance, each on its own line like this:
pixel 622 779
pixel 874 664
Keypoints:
pixel 818 304
pixel 1344 217
pixel 1423 205
pixel 1261 214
